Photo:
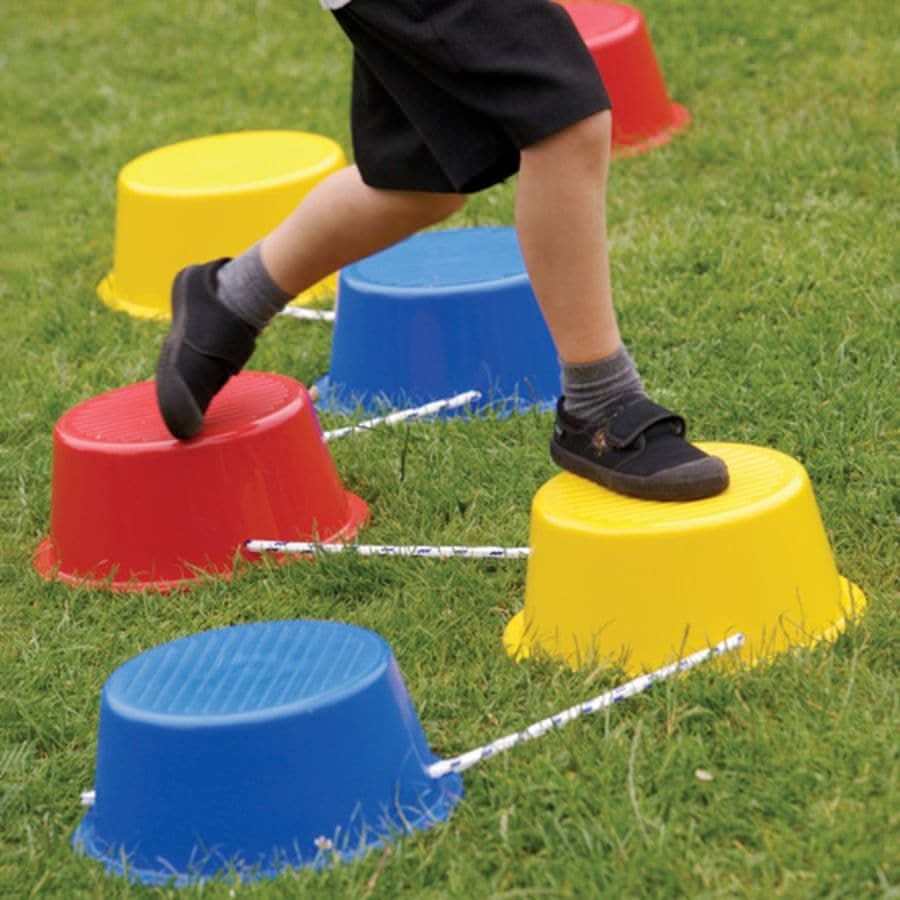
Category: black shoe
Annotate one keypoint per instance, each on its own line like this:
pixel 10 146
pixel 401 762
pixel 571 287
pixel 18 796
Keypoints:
pixel 206 345
pixel 638 450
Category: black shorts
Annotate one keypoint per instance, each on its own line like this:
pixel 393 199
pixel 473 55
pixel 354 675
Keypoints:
pixel 446 93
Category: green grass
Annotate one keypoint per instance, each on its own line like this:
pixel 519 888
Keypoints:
pixel 756 271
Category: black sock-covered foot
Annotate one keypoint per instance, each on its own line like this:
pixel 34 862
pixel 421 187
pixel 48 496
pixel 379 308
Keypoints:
pixel 639 450
pixel 206 345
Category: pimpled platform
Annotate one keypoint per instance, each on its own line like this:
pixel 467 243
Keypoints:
pixel 205 198
pixel 132 507
pixel 253 748
pixel 615 579
pixel 617 37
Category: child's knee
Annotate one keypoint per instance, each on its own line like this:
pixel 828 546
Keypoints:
pixel 598 130
pixel 582 145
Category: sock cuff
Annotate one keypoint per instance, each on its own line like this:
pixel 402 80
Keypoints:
pixel 601 369
pixel 592 389
pixel 247 289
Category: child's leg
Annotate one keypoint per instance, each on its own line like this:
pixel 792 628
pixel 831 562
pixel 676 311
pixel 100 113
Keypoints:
pixel 561 220
pixel 342 220
pixel 561 224
pixel 606 429
pixel 218 308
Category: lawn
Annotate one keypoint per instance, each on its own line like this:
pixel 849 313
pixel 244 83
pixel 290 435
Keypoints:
pixel 755 268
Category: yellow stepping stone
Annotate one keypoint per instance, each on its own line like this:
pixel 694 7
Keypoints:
pixel 206 198
pixel 615 579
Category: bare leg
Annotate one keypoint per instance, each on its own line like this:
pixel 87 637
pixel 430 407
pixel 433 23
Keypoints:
pixel 342 220
pixel 561 224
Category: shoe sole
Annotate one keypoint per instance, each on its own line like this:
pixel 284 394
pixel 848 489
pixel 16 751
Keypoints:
pixel 180 412
pixel 690 487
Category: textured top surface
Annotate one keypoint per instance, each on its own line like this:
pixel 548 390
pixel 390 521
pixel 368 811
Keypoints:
pixel 249 669
pixel 129 415
pixel 759 476
pixel 232 161
pixel 448 258
pixel 600 23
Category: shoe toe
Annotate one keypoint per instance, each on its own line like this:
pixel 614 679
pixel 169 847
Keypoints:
pixel 694 480
pixel 177 406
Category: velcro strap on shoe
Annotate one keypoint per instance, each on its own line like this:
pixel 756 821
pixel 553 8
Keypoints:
pixel 633 420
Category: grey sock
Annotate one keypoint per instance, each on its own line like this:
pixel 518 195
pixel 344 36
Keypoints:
pixel 247 289
pixel 591 390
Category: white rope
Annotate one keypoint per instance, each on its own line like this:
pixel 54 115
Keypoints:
pixel 405 415
pixel 309 315
pixel 421 551
pixel 616 695
pixel 537 729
